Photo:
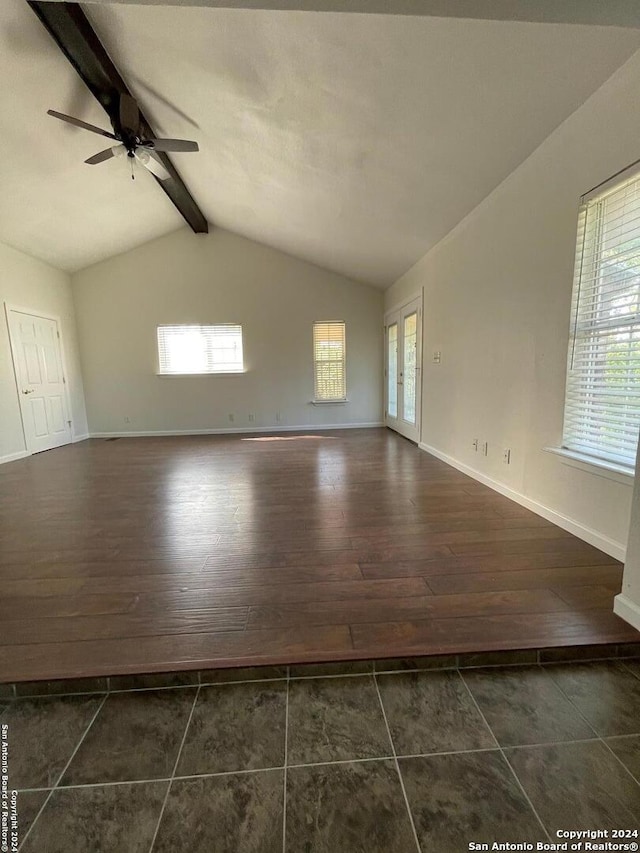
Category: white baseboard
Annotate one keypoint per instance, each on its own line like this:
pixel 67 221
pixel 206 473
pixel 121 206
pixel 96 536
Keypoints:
pixel 233 430
pixel 593 537
pixel 11 457
pixel 21 454
pixel 627 609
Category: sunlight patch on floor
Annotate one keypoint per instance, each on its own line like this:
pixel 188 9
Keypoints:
pixel 290 438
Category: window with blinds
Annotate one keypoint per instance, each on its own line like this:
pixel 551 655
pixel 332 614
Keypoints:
pixel 602 407
pixel 200 349
pixel 329 363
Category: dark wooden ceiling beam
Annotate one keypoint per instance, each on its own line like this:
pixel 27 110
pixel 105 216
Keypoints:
pixel 76 38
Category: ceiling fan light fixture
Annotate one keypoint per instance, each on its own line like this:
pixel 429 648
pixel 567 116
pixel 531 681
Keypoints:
pixel 129 141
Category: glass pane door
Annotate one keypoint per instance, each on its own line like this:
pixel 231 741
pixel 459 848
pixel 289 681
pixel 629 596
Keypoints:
pixel 410 336
pixel 392 370
pixel 402 386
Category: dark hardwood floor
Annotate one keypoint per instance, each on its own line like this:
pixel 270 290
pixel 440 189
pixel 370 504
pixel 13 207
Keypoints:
pixel 142 555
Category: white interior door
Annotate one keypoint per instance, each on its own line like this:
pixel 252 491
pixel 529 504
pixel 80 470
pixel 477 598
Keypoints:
pixel 403 359
pixel 37 356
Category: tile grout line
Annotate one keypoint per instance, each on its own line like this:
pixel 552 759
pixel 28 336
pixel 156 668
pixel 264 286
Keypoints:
pixel 502 753
pixel 286 764
pixel 147 689
pixel 618 759
pixel 331 675
pixel 579 661
pixel 594 739
pixel 63 771
pixel 624 663
pixel 397 766
pixel 575 707
pixel 599 737
pixel 175 767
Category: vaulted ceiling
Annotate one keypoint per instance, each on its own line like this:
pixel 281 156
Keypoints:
pixel 355 141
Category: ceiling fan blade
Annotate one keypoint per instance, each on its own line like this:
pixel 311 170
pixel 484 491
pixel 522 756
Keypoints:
pixel 129 113
pixel 107 154
pixel 171 145
pixel 151 163
pixel 78 123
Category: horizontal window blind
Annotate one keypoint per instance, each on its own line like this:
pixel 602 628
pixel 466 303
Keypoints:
pixel 200 349
pixel 602 407
pixel 330 380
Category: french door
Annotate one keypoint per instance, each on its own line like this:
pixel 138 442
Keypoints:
pixel 35 342
pixel 403 360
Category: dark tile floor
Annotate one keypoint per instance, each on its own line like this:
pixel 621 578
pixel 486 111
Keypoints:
pixel 310 761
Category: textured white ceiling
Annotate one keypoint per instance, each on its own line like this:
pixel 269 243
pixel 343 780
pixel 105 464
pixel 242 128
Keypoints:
pixel 352 141
pixel 611 13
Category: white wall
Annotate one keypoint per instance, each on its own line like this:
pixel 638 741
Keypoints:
pixel 220 278
pixel 627 604
pixel 28 283
pixel 496 303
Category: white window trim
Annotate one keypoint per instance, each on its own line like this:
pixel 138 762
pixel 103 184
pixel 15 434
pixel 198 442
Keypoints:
pixel 163 374
pixel 200 375
pixel 577 456
pixel 337 400
pixel 594 465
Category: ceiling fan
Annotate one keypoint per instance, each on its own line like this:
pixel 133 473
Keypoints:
pixel 127 135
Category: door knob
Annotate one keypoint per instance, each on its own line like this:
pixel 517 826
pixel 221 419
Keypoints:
pixel 28 392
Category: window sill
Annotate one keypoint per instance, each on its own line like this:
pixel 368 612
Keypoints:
pixel 208 373
pixel 328 402
pixel 599 467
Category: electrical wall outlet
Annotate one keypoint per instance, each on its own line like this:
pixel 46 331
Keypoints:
pixel 485 448
pixel 506 456
pixel 252 417
pixel 231 417
pixel 279 417
pixel 437 357
pixel 475 444
pixel 127 420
